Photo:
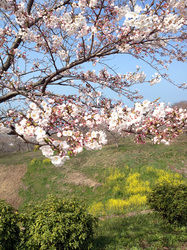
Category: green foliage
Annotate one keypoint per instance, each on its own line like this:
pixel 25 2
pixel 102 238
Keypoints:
pixel 170 200
pixel 9 231
pixel 57 224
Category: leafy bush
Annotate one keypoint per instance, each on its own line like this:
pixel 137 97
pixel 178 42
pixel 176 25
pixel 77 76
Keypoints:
pixel 170 201
pixel 9 231
pixel 57 224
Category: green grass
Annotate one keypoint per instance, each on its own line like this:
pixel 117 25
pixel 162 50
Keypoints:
pixel 20 158
pixel 146 231
pixel 138 232
pixel 42 179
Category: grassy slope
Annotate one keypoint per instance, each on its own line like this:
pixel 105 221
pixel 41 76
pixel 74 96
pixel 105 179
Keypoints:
pixel 43 178
pixel 139 232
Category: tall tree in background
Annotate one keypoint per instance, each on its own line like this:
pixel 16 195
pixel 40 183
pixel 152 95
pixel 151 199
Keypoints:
pixel 52 43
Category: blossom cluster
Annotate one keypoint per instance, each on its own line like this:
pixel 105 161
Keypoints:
pixel 148 118
pixel 63 120
pixel 75 128
pixel 51 43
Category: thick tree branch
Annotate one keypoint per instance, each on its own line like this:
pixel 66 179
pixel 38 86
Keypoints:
pixel 29 6
pixel 21 91
pixel 10 58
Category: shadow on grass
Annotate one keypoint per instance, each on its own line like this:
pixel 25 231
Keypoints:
pixel 138 232
pixel 102 241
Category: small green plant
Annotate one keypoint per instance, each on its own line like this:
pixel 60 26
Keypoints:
pixel 170 200
pixel 34 161
pixel 46 161
pixel 9 231
pixel 57 224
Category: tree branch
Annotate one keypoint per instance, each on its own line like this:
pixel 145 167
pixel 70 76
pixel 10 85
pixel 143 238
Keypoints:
pixel 18 39
pixel 10 58
pixel 29 6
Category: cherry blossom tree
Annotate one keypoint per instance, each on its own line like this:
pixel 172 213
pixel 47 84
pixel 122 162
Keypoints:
pixel 64 44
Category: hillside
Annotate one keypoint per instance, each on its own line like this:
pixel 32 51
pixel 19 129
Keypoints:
pixel 90 168
pixel 113 183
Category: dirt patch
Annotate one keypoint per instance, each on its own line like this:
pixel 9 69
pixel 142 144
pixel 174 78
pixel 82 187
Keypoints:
pixel 10 183
pixel 184 246
pixel 125 215
pixel 182 171
pixel 80 179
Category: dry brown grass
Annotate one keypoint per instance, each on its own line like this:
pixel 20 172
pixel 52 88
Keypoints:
pixel 10 183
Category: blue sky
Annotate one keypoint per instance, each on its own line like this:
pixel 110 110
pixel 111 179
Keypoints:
pixel 163 90
pixel 166 91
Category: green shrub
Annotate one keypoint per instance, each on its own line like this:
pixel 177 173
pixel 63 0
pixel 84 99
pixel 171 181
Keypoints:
pixel 9 231
pixel 170 201
pixel 57 224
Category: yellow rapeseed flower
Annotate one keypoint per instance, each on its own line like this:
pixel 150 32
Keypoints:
pixel 97 209
pixel 168 177
pixel 137 200
pixel 136 186
pixel 46 161
pixel 116 205
pixel 115 176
